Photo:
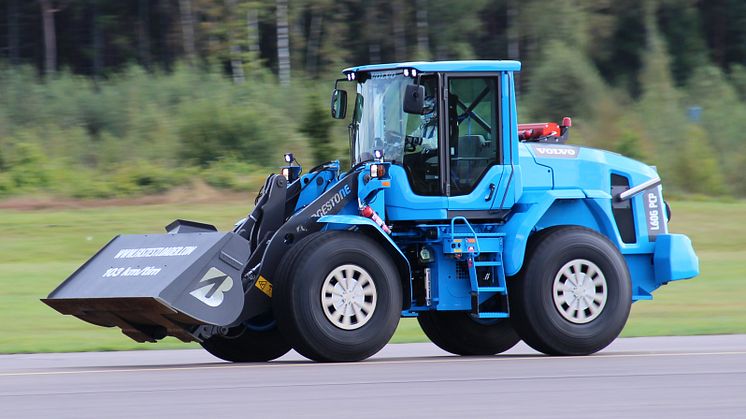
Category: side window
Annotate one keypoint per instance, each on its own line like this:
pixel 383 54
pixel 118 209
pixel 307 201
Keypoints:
pixel 473 138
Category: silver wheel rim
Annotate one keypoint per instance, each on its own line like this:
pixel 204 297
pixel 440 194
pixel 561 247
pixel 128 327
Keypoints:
pixel 580 291
pixel 348 297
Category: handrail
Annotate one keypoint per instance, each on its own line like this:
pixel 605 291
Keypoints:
pixel 468 225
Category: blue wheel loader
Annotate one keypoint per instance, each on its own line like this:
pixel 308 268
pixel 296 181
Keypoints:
pixel 487 231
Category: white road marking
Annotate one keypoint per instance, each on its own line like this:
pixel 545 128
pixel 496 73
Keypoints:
pixel 373 362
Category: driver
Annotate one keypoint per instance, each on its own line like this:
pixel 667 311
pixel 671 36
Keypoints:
pixel 423 134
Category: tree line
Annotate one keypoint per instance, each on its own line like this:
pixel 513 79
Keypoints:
pixel 95 37
pixel 660 80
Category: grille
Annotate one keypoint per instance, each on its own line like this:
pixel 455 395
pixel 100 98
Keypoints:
pixel 462 271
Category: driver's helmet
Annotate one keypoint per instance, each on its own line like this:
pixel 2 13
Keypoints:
pixel 429 103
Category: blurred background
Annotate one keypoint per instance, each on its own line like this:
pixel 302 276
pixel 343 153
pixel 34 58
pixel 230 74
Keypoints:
pixel 118 116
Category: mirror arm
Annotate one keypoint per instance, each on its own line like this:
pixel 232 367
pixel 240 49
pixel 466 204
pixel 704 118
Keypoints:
pixel 336 83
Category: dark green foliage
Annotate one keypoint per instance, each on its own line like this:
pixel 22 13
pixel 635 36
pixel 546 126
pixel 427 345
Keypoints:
pixel 697 164
pixel 234 175
pixel 133 107
pixel 317 126
pixel 136 133
pixel 27 167
pixel 563 83
pixel 724 25
pixel 629 144
pixel 621 59
pixel 213 130
pixel 680 25
pixel 738 80
pixel 145 178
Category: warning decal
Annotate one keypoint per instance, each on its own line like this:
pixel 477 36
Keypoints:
pixel 264 285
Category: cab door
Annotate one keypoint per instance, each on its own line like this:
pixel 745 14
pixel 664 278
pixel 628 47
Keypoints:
pixel 475 174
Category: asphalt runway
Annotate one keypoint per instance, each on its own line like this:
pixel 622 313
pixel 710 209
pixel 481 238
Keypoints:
pixel 664 377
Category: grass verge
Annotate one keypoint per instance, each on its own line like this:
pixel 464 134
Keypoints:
pixel 40 248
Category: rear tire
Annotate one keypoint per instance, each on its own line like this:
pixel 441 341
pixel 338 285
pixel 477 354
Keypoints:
pixel 248 343
pixel 337 297
pixel 458 333
pixel 573 295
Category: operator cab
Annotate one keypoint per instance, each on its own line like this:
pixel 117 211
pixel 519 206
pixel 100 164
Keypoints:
pixel 441 122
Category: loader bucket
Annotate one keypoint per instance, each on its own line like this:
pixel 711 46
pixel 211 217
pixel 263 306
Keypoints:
pixel 155 285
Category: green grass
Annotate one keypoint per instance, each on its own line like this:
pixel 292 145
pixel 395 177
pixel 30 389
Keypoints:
pixel 715 301
pixel 39 249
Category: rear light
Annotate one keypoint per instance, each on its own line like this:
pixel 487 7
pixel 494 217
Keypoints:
pixel 377 170
pixel 286 172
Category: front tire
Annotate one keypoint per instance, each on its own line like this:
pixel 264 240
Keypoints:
pixel 573 295
pixel 338 297
pixel 458 333
pixel 248 343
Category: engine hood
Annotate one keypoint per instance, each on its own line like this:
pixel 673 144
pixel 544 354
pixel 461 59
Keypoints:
pixel 586 168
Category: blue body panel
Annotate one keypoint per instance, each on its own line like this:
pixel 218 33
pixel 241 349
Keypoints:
pixel 345 222
pixel 536 186
pixel 674 258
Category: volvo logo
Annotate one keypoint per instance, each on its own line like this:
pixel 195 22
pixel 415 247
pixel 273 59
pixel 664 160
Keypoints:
pixel 567 152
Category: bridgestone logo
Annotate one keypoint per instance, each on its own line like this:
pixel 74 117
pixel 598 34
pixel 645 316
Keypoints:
pixel 329 205
pixel 155 252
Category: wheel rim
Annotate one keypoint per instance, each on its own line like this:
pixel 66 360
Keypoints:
pixel 348 297
pixel 580 291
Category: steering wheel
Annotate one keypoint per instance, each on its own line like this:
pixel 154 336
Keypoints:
pixel 393 143
pixel 411 143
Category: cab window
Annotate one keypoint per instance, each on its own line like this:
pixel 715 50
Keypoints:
pixel 473 137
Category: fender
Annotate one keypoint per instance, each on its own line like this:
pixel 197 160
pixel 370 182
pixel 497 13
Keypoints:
pixel 530 209
pixel 340 222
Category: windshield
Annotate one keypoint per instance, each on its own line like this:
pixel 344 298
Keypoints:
pixel 379 122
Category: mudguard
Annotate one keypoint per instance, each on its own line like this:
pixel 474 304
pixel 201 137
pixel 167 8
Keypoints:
pixel 345 221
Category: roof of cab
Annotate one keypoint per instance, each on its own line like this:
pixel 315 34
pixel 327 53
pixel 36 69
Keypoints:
pixel 443 66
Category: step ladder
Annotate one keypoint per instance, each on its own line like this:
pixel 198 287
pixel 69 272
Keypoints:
pixel 489 291
pixel 492 290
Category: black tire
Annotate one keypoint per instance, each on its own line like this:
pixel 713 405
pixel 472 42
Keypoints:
pixel 458 333
pixel 537 307
pixel 297 299
pixel 247 343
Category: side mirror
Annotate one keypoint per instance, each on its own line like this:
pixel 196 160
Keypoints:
pixel 339 104
pixel 414 99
